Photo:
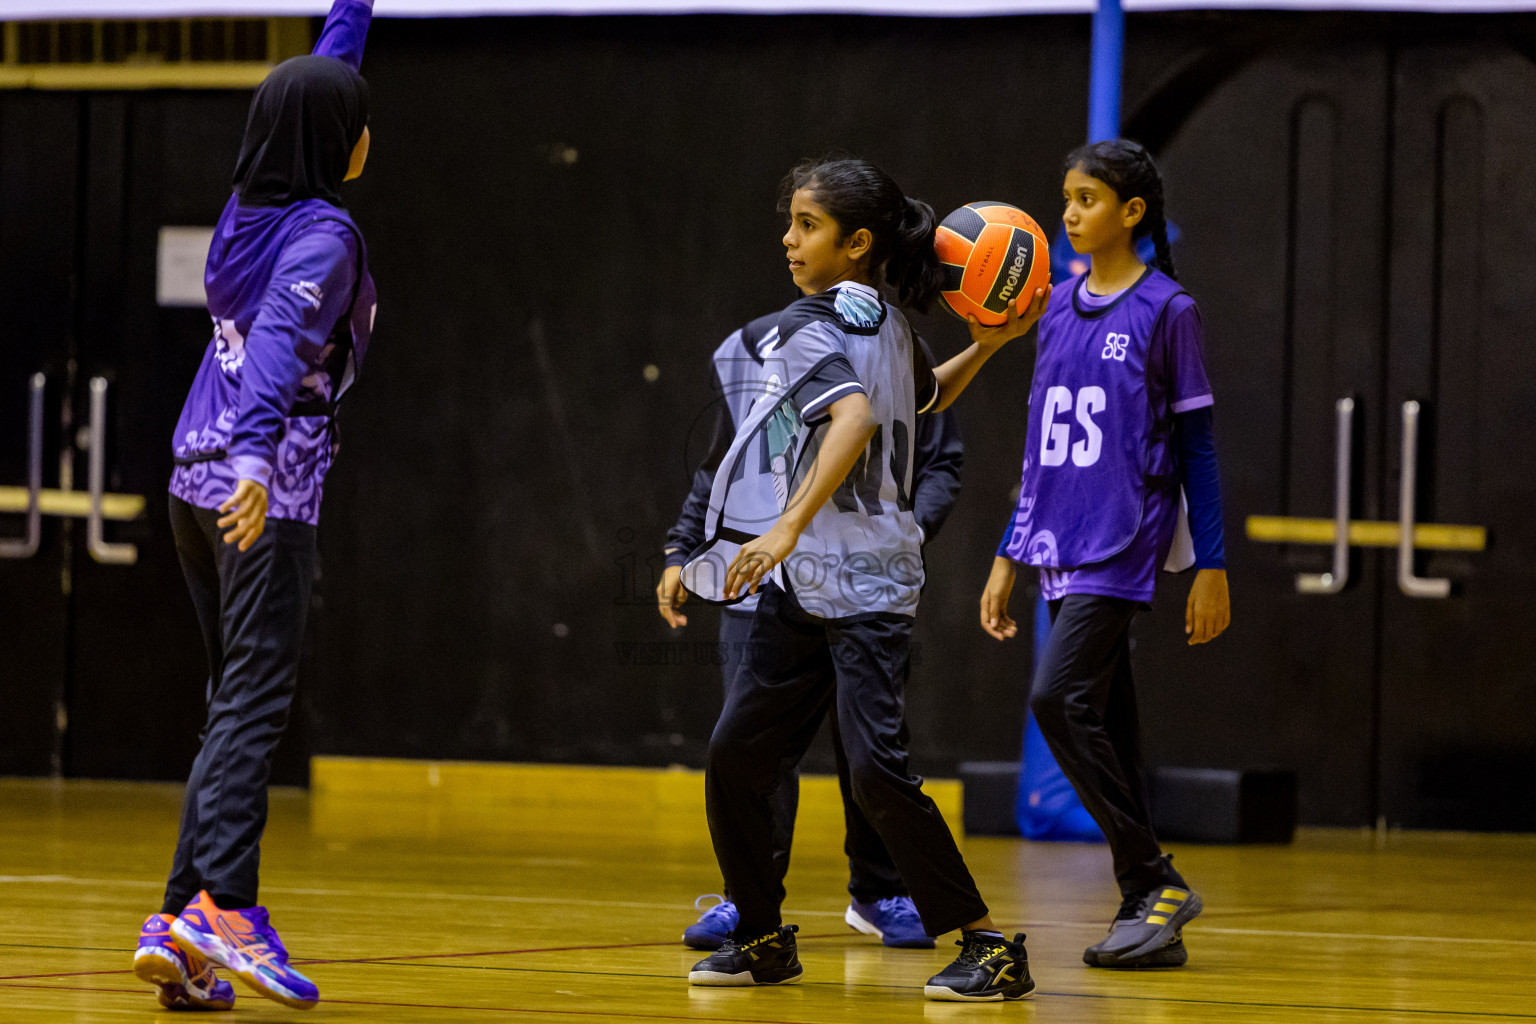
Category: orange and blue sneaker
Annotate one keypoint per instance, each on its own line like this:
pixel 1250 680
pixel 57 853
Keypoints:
pixel 244 941
pixel 185 980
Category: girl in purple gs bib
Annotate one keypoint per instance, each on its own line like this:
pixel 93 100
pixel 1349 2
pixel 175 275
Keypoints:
pixel 1120 421
pixel 292 306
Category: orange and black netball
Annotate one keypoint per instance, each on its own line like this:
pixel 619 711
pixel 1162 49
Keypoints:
pixel 990 253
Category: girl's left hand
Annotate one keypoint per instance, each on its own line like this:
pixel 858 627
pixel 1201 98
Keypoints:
pixel 1021 317
pixel 1210 609
pixel 757 558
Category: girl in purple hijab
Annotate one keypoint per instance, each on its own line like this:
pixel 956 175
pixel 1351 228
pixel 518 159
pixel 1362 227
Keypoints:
pixel 292 305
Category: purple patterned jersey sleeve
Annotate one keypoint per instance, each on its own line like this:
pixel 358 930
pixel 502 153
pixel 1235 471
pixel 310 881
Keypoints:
pixel 310 290
pixel 345 31
pixel 1188 386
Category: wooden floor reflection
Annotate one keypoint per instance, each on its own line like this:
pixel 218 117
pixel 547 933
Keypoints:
pixel 478 912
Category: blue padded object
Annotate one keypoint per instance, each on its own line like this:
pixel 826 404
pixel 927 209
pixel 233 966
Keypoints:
pixel 1047 808
pixel 1106 60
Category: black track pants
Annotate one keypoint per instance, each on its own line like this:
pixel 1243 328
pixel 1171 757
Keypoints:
pixel 251 607
pixel 1085 705
pixel 771 714
pixel 872 875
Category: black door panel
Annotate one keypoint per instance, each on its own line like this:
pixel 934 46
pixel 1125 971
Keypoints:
pixel 1458 690
pixel 1275 183
pixel 39 158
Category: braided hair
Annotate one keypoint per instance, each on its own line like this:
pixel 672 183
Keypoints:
pixel 1127 167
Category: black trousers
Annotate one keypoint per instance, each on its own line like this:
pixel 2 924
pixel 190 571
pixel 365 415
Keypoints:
pixel 1085 704
pixel 251 607
pixel 780 695
pixel 872 875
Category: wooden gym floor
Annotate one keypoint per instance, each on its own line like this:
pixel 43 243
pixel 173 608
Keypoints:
pixel 470 907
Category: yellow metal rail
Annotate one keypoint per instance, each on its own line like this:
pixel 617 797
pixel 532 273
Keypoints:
pixel 74 504
pixel 210 75
pixel 1366 533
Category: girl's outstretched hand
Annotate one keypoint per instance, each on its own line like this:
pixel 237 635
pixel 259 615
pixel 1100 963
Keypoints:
pixel 1210 609
pixel 994 600
pixel 670 596
pixel 245 513
pixel 1021 317
pixel 757 559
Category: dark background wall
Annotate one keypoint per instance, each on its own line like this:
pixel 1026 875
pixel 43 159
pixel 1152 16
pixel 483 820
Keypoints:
pixel 513 473
pixel 554 205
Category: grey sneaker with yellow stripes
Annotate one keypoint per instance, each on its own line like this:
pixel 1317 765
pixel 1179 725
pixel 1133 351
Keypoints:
pixel 1148 931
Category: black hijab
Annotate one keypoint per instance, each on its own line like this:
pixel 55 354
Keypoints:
pixel 305 121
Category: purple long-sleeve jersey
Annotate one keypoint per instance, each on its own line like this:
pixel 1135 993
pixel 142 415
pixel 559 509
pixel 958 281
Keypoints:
pixel 292 305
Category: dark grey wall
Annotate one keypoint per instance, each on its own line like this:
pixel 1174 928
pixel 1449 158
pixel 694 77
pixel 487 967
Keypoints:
pixel 509 474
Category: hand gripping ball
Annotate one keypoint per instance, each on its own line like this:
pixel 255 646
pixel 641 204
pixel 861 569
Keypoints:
pixel 991 253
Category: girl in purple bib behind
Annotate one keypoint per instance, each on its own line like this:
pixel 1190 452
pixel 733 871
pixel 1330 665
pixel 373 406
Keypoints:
pixel 1120 420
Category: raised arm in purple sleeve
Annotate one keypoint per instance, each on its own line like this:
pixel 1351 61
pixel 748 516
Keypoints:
pixel 310 291
pixel 345 32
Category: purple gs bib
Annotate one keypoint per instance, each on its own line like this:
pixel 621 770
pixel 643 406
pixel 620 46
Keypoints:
pixel 1095 444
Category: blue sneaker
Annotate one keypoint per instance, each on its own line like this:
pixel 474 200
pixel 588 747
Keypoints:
pixel 185 981
pixel 894 920
pixel 244 941
pixel 714 926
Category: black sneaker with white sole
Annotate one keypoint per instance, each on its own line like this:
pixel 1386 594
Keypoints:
pixel 988 969
pixel 766 960
pixel 1148 930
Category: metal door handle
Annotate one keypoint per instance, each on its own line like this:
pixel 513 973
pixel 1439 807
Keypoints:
pixel 100 549
pixel 1413 586
pixel 27 546
pixel 1333 582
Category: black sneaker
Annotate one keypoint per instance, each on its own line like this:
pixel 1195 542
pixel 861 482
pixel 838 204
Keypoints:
pixel 988 969
pixel 1148 930
pixel 767 960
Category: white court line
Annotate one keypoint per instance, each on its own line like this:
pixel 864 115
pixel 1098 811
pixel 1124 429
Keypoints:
pixel 623 904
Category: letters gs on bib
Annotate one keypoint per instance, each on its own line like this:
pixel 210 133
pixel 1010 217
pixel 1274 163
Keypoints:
pixel 1055 436
pixel 1058 412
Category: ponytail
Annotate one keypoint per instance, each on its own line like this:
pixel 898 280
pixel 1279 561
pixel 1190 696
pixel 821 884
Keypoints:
pixel 913 267
pixel 859 195
pixel 1128 168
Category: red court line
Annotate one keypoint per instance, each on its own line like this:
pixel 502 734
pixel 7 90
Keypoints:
pixel 513 952
pixel 626 1014
pixel 413 956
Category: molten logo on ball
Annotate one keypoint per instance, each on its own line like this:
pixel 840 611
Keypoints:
pixel 1015 273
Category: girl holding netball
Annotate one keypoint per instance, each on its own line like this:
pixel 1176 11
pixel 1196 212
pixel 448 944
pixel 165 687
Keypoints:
pixel 824 462
pixel 1120 418
pixel 880 904
pixel 292 305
